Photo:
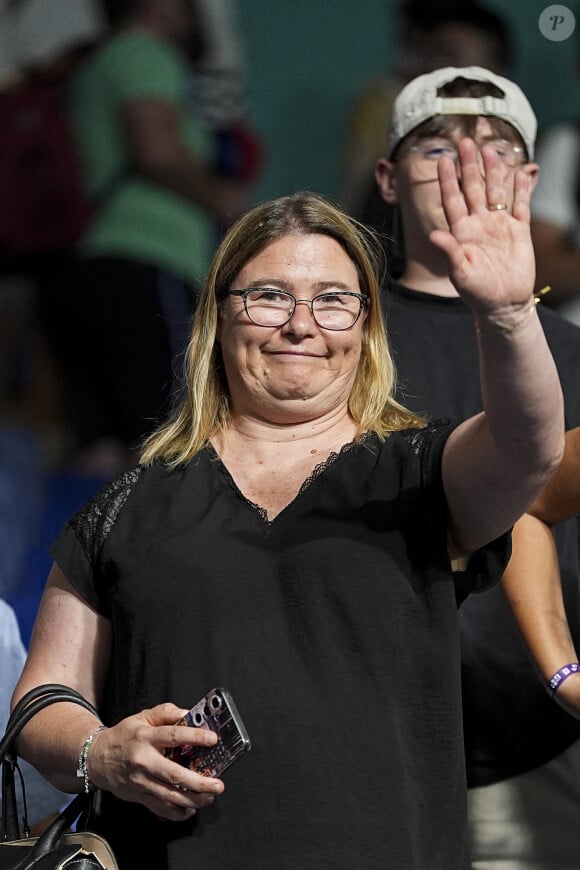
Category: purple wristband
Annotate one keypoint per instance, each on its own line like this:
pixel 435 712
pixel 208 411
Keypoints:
pixel 556 681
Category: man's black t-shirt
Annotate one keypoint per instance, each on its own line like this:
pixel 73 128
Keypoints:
pixel 511 725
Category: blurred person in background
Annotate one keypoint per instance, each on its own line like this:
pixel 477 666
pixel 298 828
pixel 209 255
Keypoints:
pixel 518 742
pixel 42 42
pixel 41 38
pixel 429 35
pixel 219 94
pixel 43 800
pixel 120 323
pixel 556 211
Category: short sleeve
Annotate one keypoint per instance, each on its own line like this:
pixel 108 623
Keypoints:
pixel 427 444
pixel 485 566
pixel 78 550
pixel 141 67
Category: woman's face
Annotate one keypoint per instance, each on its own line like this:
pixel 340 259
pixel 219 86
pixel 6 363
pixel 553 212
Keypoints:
pixel 298 371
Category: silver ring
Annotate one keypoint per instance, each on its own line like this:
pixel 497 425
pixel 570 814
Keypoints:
pixel 498 206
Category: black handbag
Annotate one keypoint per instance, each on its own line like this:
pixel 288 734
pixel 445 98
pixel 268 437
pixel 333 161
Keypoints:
pixel 57 848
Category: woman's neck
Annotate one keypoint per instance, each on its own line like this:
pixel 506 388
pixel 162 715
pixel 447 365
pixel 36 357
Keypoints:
pixel 269 463
pixel 247 432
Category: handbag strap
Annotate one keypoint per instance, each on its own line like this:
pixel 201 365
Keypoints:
pixel 49 839
pixel 45 691
pixel 29 705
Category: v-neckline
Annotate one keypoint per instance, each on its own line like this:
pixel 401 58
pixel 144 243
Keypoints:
pixel 318 471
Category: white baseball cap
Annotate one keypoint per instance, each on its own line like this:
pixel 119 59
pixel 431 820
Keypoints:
pixel 418 101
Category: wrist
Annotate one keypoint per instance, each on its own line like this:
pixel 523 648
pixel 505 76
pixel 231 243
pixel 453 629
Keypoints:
pixel 82 769
pixel 506 321
pixel 556 681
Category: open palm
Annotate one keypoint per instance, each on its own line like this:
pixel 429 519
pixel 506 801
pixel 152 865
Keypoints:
pixel 490 253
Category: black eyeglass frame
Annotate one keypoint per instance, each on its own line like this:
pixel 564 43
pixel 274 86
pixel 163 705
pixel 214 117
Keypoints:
pixel 243 294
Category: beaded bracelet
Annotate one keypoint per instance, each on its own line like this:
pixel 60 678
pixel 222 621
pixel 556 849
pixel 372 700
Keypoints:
pixel 556 681
pixel 82 771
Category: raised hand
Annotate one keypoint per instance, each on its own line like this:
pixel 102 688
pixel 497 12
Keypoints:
pixel 490 253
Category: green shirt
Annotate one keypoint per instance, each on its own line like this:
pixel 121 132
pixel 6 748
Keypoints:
pixel 136 218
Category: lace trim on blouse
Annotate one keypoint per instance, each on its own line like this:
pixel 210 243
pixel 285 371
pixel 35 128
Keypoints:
pixel 94 522
pixel 421 439
pixel 317 471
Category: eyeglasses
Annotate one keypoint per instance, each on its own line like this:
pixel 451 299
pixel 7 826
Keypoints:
pixel 427 152
pixel 267 306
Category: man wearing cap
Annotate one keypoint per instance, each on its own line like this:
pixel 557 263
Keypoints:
pixel 522 749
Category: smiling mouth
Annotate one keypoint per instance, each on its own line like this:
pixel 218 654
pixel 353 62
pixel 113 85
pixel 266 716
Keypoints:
pixel 294 353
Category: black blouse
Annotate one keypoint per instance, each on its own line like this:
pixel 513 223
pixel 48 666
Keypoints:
pixel 335 629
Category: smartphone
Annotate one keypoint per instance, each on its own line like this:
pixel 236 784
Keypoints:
pixel 217 712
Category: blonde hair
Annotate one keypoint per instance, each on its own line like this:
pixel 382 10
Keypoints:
pixel 205 408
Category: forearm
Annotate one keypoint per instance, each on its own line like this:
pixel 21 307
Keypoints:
pixel 177 171
pixel 533 591
pixel 52 742
pixel 128 759
pixel 498 462
pixel 522 397
pixel 532 587
pixel 158 151
pixel 71 645
pixel 560 498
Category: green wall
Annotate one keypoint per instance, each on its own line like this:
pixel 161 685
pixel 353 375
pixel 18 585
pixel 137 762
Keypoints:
pixel 307 60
